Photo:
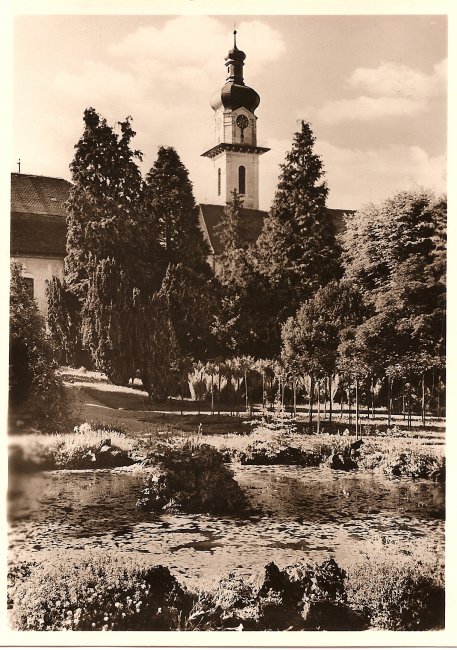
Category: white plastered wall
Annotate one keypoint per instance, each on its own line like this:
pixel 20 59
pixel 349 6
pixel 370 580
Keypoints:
pixel 40 269
pixel 229 162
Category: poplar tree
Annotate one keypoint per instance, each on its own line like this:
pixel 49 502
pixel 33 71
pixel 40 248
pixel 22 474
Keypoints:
pixel 297 250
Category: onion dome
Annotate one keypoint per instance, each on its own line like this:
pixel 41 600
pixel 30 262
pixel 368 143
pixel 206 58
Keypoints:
pixel 235 93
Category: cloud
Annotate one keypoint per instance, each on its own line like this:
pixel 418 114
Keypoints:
pixel 396 90
pixel 368 108
pixel 98 80
pixel 192 44
pixel 398 80
pixel 356 177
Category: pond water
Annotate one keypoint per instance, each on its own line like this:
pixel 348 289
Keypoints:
pixel 300 513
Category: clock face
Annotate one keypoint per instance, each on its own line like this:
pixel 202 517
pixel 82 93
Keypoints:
pixel 242 121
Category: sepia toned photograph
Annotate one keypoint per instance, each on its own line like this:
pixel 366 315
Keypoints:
pixel 227 322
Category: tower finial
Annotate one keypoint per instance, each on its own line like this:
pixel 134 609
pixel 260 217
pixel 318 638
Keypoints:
pixel 234 38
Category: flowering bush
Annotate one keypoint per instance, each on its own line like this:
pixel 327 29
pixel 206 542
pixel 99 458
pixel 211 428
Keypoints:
pixel 400 595
pixel 99 594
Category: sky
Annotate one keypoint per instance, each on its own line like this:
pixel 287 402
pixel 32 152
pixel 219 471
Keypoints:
pixel 372 87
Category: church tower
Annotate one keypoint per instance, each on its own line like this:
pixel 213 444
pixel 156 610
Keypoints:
pixel 235 154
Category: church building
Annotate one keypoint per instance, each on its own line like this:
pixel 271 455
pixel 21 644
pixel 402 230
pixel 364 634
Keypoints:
pixel 235 156
pixel 38 225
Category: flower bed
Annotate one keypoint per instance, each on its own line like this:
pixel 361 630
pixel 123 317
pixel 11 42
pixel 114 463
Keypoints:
pixel 109 593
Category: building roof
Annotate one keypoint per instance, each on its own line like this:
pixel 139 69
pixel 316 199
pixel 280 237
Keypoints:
pixel 338 218
pixel 38 225
pixel 38 235
pixel 39 194
pixel 251 223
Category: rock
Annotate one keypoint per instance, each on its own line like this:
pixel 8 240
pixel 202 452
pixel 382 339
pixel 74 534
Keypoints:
pixel 105 449
pixel 324 615
pixel 342 462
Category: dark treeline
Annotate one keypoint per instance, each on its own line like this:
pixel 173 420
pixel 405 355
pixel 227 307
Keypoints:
pixel 360 316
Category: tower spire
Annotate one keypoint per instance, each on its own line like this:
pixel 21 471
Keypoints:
pixel 236 153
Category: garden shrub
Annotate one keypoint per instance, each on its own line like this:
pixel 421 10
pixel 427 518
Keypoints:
pixel 276 452
pixel 35 389
pixel 85 448
pixel 99 594
pixel 399 596
pixel 192 478
pixel 415 464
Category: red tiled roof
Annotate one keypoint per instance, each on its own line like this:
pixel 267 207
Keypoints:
pixel 38 225
pixel 251 222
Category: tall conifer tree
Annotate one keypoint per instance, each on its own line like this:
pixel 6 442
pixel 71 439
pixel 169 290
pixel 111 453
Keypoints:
pixel 114 264
pixel 172 204
pixel 297 249
pixel 188 285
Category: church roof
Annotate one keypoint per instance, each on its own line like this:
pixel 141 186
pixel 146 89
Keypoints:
pixel 251 223
pixel 38 225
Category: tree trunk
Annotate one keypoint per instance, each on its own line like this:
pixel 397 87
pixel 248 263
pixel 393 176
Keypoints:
pixel 230 391
pixel 246 389
pixel 294 385
pixel 389 400
pixel 325 398
pixel 263 392
pixel 409 404
pixel 182 394
pixel 219 395
pixel 212 393
pixel 330 404
pixel 318 407
pixel 349 404
pixel 438 396
pixel 372 399
pixel 423 399
pixel 311 399
pixel 357 407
